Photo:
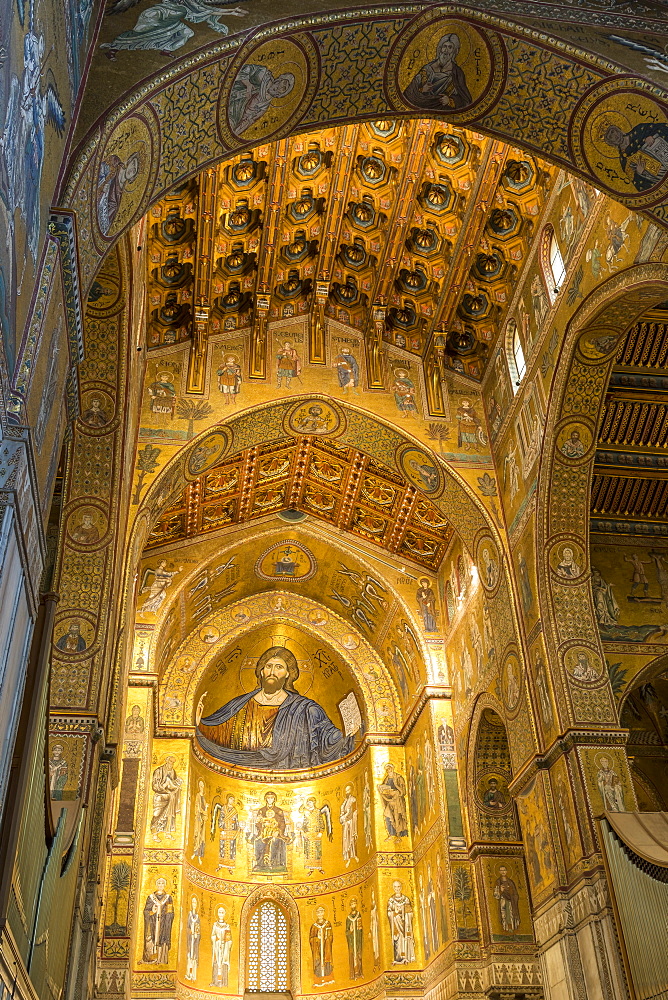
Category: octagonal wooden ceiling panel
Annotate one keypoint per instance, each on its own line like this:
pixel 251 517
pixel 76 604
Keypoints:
pixel 407 225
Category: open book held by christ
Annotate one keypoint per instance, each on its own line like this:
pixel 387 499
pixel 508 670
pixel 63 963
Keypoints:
pixel 350 714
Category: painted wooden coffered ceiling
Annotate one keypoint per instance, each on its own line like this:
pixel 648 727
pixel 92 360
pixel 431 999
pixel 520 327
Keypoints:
pixel 411 232
pixel 332 482
pixel 630 485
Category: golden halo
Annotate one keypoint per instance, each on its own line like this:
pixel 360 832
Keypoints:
pixel 211 632
pixel 453 28
pixel 140 152
pixel 610 757
pixel 598 127
pixel 440 30
pixel 247 670
pixel 298 75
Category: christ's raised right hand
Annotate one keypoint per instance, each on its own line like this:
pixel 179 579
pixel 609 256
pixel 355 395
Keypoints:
pixel 199 711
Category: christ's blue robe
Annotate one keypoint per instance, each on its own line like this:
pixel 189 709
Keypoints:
pixel 303 736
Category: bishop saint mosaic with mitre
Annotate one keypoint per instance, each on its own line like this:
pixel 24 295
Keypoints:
pixel 274 726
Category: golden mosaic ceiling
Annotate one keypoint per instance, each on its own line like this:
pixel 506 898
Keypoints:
pixel 631 468
pixel 410 228
pixel 333 482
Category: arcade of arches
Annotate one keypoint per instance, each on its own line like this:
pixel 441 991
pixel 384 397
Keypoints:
pixel 334 483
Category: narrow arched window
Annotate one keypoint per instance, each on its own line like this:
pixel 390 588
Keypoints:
pixel 267 949
pixel 515 359
pixel 518 355
pixel 557 266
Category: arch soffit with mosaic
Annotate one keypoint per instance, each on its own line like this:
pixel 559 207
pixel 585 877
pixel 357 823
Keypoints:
pixel 307 531
pixel 485 700
pixel 582 371
pixel 375 680
pixel 517 59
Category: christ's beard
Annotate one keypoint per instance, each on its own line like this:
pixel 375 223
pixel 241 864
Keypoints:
pixel 270 685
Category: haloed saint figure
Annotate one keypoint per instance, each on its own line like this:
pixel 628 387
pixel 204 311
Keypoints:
pixel 274 726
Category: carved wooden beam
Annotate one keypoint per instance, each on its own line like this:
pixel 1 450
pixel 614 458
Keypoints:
pixel 206 226
pixel 266 258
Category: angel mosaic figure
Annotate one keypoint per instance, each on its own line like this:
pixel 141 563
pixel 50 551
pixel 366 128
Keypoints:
pixel 157 589
pixel 226 817
pixel 312 824
pixel 162 26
